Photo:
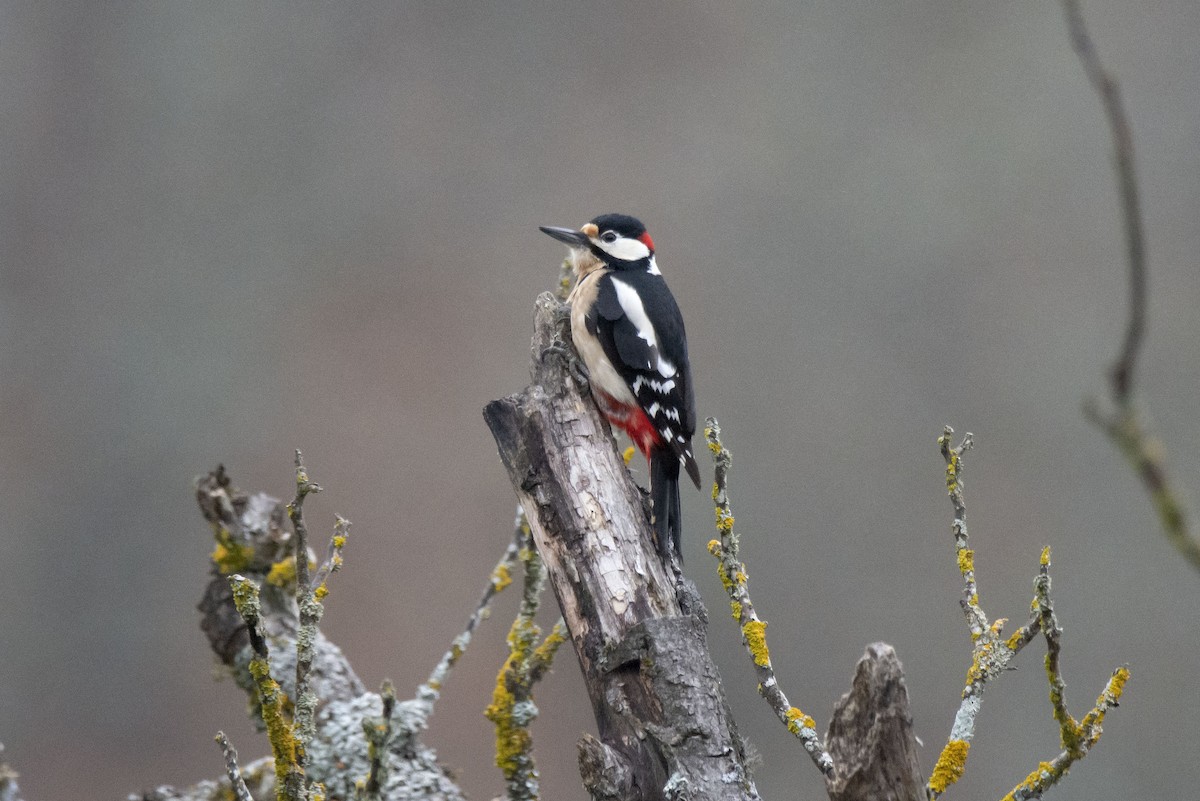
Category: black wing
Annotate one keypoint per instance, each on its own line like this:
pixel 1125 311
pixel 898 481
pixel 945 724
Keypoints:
pixel 638 323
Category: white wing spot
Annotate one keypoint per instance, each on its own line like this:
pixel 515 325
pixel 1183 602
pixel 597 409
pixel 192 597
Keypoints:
pixel 653 410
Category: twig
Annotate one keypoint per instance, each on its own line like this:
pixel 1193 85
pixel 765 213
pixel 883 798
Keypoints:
pixel 501 577
pixel 512 708
pixel 733 577
pixel 992 655
pixel 1110 94
pixel 1127 426
pixel 240 792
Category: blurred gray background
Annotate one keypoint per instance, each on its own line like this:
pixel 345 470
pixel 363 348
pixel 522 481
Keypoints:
pixel 230 229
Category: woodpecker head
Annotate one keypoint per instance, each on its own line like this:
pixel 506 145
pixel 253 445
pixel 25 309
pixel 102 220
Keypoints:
pixel 615 241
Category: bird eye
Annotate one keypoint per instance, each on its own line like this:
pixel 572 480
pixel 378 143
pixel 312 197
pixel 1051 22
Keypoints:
pixel 609 236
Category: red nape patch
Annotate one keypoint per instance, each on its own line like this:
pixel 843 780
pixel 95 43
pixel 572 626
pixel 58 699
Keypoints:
pixel 647 241
pixel 630 419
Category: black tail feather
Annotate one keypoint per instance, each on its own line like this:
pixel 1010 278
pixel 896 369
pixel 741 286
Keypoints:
pixel 664 495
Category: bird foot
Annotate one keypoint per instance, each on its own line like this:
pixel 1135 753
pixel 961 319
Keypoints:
pixel 575 367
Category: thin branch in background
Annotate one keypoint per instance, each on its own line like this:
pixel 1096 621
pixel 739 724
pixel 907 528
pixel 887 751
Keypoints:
pixel 1131 209
pixel 733 577
pixel 512 708
pixel 992 654
pixel 501 578
pixel 1128 426
pixel 240 792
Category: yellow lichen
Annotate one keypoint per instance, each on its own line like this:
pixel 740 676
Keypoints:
pixel 736 607
pixel 544 653
pixel 1046 556
pixel 320 592
pixel 513 742
pixel 952 473
pixel 229 556
pixel 339 541
pixel 627 455
pixel 1039 778
pixel 950 766
pixel 279 728
pixel 755 632
pixel 966 561
pixel 714 547
pixel 726 580
pixel 501 577
pixel 283 572
pixel 724 521
pixel 797 720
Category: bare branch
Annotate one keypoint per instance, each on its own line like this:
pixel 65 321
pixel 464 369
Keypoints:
pixel 501 578
pixel 1128 426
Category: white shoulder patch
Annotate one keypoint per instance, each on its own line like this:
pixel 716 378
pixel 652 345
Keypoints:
pixel 631 304
pixel 653 268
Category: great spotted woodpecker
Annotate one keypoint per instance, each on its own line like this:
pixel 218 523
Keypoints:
pixel 629 332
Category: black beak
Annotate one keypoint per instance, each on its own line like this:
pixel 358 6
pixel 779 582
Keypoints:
pixel 568 236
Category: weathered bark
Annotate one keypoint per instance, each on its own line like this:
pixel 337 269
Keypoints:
pixel 665 728
pixel 871 735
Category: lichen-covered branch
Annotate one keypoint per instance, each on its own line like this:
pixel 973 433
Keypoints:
pixel 1128 425
pixel 733 576
pixel 289 778
pixel 311 610
pixel 513 709
pixel 992 653
pixel 252 533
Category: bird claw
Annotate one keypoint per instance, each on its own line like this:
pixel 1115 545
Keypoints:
pixel 575 367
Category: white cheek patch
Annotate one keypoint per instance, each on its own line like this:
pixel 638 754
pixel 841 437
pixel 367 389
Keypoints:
pixel 625 249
